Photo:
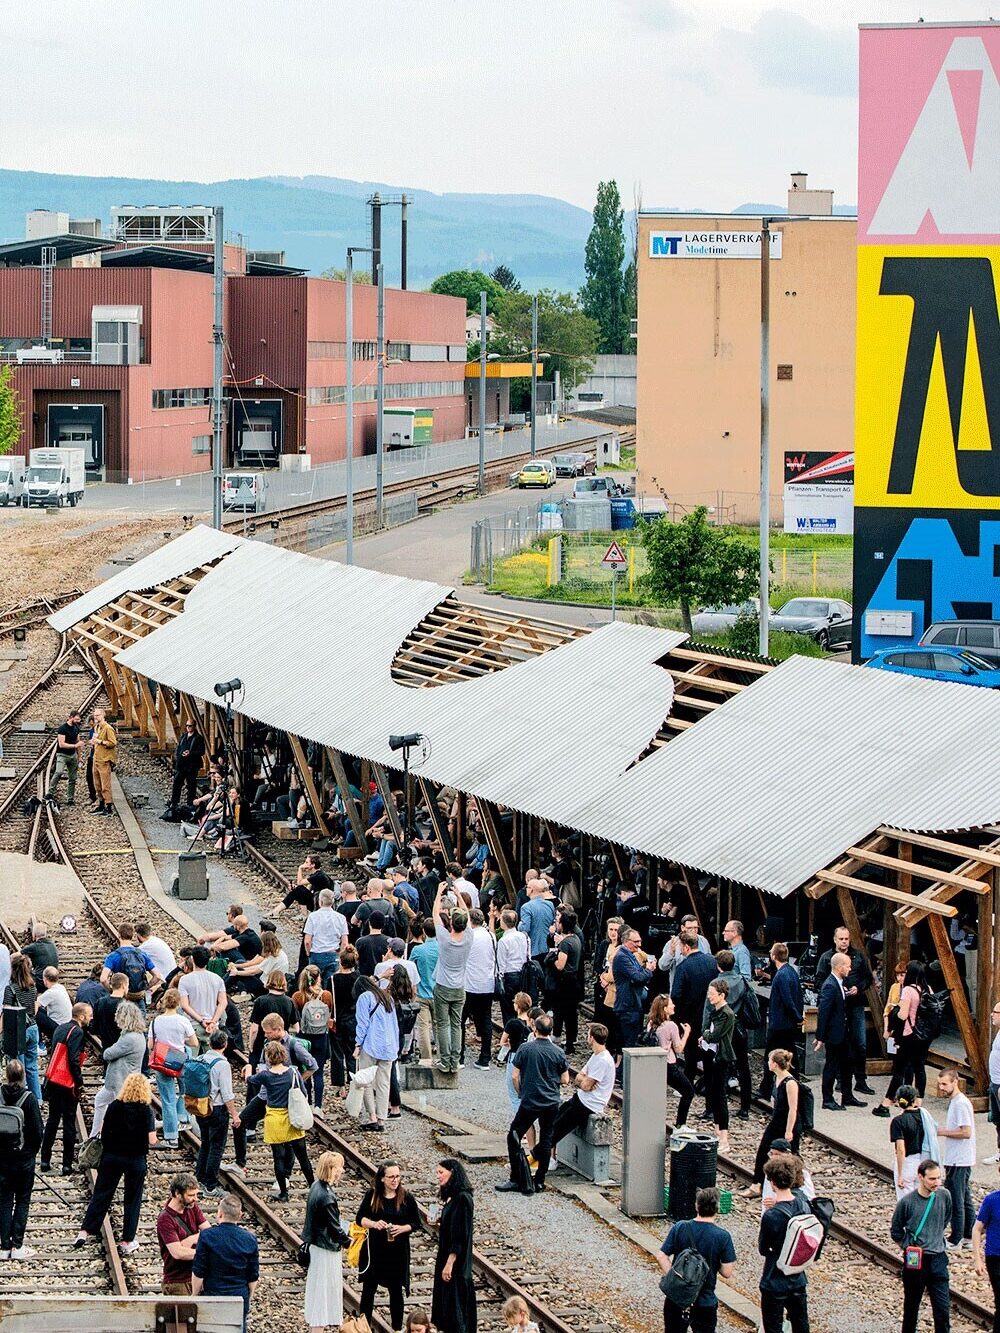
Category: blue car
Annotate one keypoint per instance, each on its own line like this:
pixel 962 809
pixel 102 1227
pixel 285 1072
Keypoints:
pixel 939 663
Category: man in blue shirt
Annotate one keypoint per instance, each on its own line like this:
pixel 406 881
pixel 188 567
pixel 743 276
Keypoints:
pixel 227 1261
pixel 784 1015
pixel 986 1243
pixel 688 991
pixel 403 890
pixel 537 916
pixel 134 962
pixel 732 933
pixel 715 1245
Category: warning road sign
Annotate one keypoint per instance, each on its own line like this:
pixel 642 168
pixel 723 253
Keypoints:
pixel 614 556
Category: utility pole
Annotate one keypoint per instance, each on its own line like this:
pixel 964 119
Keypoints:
pixel 765 424
pixel 482 393
pixel 217 404
pixel 534 371
pixel 403 205
pixel 349 404
pixel 380 396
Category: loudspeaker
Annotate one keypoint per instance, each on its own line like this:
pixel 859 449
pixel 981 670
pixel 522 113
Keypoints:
pixel 192 875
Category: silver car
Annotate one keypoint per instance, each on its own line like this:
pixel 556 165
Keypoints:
pixel 717 619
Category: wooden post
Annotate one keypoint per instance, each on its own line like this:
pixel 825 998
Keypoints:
pixel 460 822
pixel 439 824
pixel 984 964
pixel 975 1044
pixel 357 817
pixel 492 828
pixel 874 996
pixel 308 786
pixel 904 882
pixel 385 788
pixel 148 709
pixel 699 907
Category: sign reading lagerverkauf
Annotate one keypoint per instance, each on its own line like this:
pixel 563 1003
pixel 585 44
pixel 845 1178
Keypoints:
pixel 710 245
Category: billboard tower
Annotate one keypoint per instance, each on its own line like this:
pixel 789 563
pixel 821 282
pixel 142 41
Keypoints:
pixel 927 442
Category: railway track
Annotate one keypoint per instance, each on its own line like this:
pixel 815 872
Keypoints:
pixel 440 488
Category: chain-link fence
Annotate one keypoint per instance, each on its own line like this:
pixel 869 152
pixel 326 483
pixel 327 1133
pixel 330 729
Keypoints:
pixel 499 537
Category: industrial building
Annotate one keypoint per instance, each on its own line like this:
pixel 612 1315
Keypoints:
pixel 111 343
pixel 698 349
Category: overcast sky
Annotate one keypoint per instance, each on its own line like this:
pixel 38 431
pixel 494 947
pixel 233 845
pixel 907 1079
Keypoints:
pixel 698 101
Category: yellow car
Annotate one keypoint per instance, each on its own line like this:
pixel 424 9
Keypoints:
pixel 536 474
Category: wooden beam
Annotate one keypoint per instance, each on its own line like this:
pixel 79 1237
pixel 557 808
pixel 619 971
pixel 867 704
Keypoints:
pixel 357 815
pixel 921 871
pixel 706 682
pixel 984 961
pixel 733 663
pixel 984 854
pixel 116 628
pixel 152 712
pixel 440 825
pixel 943 893
pixel 881 891
pixel 873 995
pixel 974 1046
pixel 308 786
pixel 842 866
pixel 385 789
pixel 493 829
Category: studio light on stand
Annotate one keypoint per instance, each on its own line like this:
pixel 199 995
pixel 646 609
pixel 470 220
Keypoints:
pixel 226 690
pixel 406 742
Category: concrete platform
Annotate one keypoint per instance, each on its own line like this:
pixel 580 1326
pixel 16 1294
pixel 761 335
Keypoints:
pixel 476 1147
pixel 42 888
pixel 425 1076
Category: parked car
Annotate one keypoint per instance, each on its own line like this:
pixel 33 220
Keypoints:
pixel 540 472
pixel 825 619
pixel 944 662
pixel 717 619
pixel 981 637
pixel 595 488
pixel 574 464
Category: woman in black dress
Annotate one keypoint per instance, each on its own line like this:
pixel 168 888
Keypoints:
pixel 454 1304
pixel 343 981
pixel 784 1123
pixel 389 1214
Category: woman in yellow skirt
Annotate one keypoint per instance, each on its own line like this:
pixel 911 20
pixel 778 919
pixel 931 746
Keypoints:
pixel 275 1083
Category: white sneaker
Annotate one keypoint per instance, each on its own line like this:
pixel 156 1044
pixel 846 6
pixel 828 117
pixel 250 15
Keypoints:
pixel 293 823
pixel 275 1191
pixel 23 1252
pixel 128 1246
pixel 991 1161
pixel 234 1170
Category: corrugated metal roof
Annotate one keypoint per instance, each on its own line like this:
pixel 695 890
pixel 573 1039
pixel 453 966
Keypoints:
pixel 765 790
pixel 319 665
pixel 804 763
pixel 180 556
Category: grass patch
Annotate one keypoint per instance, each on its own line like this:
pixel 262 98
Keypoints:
pixel 779 644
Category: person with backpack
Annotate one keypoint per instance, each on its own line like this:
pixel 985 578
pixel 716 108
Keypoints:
pixel 783 1282
pixel 135 963
pixel 785 1120
pixel 376 1047
pixel 285 1138
pixel 64 1086
pixel 20 1139
pixel 314 1005
pixel 208 1095
pixel 693 1255
pixel 913 1136
pixel 19 998
pixel 172 1042
pixel 918 1228
pixel 913 1037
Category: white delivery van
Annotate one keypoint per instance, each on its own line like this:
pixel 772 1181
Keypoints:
pixel 11 479
pixel 243 491
pixel 55 477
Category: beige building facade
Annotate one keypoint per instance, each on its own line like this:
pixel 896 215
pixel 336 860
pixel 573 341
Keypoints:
pixel 698 346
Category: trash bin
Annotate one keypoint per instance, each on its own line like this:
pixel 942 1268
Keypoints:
pixel 622 513
pixel 692 1167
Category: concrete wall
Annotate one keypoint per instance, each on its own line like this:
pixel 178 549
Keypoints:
pixel 615 377
pixel 698 353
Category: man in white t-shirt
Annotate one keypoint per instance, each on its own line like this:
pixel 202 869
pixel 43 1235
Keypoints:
pixel 159 950
pixel 594 1086
pixel 53 1006
pixel 460 885
pixel 958 1157
pixel 323 934
pixel 396 957
pixel 203 996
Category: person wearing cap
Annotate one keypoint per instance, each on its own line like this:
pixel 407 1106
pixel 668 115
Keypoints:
pixel 803 1187
pixel 396 957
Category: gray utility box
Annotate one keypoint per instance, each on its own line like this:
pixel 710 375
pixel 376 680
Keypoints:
pixel 589 1153
pixel 192 876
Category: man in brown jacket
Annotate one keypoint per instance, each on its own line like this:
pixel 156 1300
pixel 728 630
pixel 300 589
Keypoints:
pixel 105 752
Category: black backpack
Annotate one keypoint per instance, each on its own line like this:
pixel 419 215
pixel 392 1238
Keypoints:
pixel 807 1108
pixel 532 980
pixel 687 1277
pixel 131 964
pixel 930 1015
pixel 12 1125
pixel 749 1016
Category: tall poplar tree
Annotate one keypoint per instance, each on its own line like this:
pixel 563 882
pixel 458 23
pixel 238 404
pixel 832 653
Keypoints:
pixel 604 295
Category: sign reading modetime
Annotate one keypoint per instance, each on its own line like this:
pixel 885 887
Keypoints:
pixel 710 245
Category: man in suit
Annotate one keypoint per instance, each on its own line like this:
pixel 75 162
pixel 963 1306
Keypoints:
pixel 859 979
pixel 831 1032
pixel 688 991
pixel 187 765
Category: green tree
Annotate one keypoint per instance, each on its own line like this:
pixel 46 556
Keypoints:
pixel 691 563
pixel 604 294
pixel 10 412
pixel 361 277
pixel 505 278
pixel 567 338
pixel 469 283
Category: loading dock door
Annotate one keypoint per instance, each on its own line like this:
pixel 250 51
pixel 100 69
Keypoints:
pixel 79 426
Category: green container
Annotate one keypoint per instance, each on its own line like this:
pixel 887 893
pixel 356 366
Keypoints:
pixel 725 1200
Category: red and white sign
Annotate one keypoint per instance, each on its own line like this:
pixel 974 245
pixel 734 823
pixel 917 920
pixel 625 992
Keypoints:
pixel 615 557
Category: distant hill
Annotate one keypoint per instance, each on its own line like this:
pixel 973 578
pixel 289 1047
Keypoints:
pixel 313 219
